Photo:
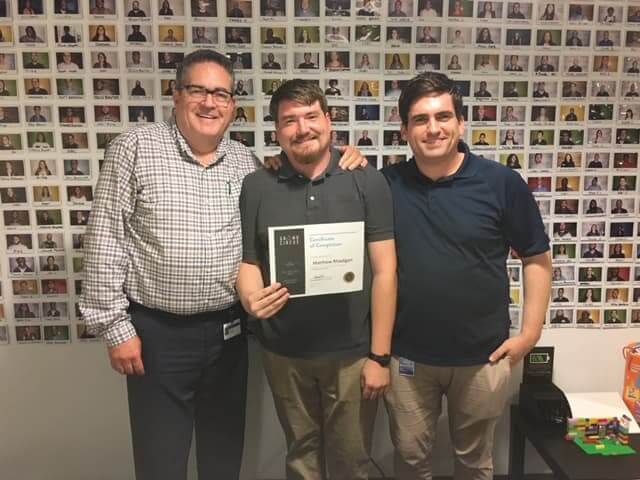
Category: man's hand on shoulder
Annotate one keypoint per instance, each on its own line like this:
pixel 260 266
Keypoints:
pixel 272 162
pixel 126 357
pixel 351 158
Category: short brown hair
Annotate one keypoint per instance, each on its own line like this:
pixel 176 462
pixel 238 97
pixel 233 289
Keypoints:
pixel 306 92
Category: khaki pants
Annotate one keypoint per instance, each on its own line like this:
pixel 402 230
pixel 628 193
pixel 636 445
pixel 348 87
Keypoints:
pixel 476 397
pixel 327 425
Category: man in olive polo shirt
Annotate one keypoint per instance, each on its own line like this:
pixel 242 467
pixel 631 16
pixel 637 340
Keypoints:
pixel 326 356
pixel 456 217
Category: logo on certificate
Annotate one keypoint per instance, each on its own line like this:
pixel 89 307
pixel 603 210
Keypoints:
pixel 349 277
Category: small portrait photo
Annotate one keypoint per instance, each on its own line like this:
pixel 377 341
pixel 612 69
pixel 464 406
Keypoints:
pixel 628 113
pixel 574 89
pixel 37 86
pixel 239 9
pixel 69 62
pixel 48 218
pixel 512 113
pixel 30 7
pixel 547 12
pixel 74 140
pixel 141 114
pixel 622 206
pixel 598 136
pixel 518 37
pixel 53 286
pixel 16 218
pixel 239 60
pixel 618 274
pixel 431 61
pixel 6 35
pixel 594 206
pixel 335 60
pixel 483 113
pixel 40 141
pixel 237 35
pixel 563 274
pixel 83 334
pixel 273 35
pixel 367 61
pixel 398 35
pixel 104 139
pixel 486 36
pixel 483 62
pixel 569 160
pixel 169 8
pixel 69 87
pixel 366 138
pixel 66 7
pixel 137 34
pixel 339 113
pixel 603 88
pixel 626 136
pixel 46 194
pixel 9 115
pixel 168 87
pixel 605 64
pixel 269 86
pixel 28 333
pixel 393 88
pixel 106 87
pixel 590 295
pixel 565 230
pixel 483 137
pixel 548 38
pixel 307 34
pixel 629 89
pixel 392 159
pixel 619 229
pixel 137 8
pixel 400 9
pixel 572 113
pixel 600 111
pixel 21 265
pixel 515 63
pixel 106 113
pixel 51 263
pixel 243 137
pixel 102 7
pixel 368 8
pixel 590 273
pixel 77 168
pixel 169 60
pixel 57 333
pixel 306 8
pixel 617 295
pixel 615 318
pixel 484 89
pixel 339 87
pixel 393 138
pixel 620 251
pixel 519 89
pixel 204 8
pixel 10 141
pixel 306 60
pixel 79 194
pixel 632 39
pixel 578 38
pixel 104 60
pixel 593 229
pixel 371 113
pixel 559 317
pixel 274 61
pixel 455 62
pixel 13 195
pixel 367 34
pixel 67 34
pixel 459 36
pixel 576 64
pixel 79 217
pixel 597 160
pixel 243 87
pixel 464 87
pixel 19 243
pixel 337 8
pixel 273 8
pixel 562 294
pixel 201 35
pixel 580 12
pixel 624 183
pixel 244 115
pixel 609 14
pixel 138 61
pixel 607 39
pixel 519 10
pixel 430 9
pixel 43 168
pixel 567 183
pixel 100 33
pixel 489 10
pixel 513 161
pixel 572 137
pixel 540 161
pixel 546 64
pixel 50 241
pixel 543 113
pixel 7 63
pixel 460 8
pixel 625 160
pixel 512 137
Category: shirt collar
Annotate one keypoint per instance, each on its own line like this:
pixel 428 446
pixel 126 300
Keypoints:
pixel 287 172
pixel 467 168
pixel 185 149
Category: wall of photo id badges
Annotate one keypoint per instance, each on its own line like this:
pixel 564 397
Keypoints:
pixel 552 90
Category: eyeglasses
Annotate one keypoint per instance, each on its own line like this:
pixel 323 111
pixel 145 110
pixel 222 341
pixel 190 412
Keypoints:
pixel 199 93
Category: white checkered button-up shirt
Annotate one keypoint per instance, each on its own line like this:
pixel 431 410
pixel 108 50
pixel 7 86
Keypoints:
pixel 164 231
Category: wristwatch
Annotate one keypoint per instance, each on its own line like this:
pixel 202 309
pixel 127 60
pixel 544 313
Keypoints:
pixel 382 360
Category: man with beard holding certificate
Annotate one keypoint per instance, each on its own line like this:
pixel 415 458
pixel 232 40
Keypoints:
pixel 325 356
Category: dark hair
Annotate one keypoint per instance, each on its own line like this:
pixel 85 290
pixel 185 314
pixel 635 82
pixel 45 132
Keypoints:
pixel 428 84
pixel 202 56
pixel 298 90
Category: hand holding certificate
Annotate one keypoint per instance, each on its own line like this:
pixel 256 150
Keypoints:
pixel 317 259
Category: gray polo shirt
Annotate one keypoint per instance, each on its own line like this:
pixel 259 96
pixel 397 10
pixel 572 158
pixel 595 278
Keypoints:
pixel 324 326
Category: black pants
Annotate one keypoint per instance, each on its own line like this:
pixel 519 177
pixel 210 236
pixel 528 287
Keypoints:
pixel 193 378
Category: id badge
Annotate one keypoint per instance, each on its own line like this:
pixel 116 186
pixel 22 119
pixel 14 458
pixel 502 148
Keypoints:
pixel 406 367
pixel 231 329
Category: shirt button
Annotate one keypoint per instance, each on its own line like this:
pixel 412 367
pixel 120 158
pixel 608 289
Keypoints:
pixel 312 198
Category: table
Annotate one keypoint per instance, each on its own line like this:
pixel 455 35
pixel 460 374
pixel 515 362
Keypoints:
pixel 566 460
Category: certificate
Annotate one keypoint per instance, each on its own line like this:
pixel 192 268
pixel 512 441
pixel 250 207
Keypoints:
pixel 317 259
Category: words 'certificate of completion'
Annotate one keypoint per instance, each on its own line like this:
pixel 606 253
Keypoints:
pixel 317 259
